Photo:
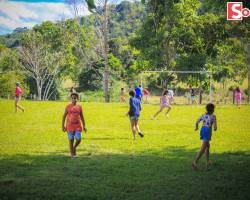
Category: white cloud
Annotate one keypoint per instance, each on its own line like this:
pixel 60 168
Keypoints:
pixel 23 14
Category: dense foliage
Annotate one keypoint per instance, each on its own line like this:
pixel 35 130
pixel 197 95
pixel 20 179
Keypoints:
pixel 156 35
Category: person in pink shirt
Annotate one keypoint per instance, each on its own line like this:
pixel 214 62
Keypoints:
pixel 164 103
pixel 238 96
pixel 18 94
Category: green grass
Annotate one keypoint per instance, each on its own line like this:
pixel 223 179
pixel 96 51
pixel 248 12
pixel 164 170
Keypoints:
pixel 35 163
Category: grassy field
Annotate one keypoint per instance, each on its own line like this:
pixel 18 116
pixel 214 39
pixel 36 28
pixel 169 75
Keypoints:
pixel 35 163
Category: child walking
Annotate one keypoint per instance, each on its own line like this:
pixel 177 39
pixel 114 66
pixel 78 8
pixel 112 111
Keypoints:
pixel 74 125
pixel 208 120
pixel 238 95
pixel 18 94
pixel 134 113
pixel 164 103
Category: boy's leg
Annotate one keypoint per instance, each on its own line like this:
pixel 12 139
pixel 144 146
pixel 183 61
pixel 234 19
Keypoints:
pixel 21 108
pixel 75 145
pixel 16 103
pixel 71 148
pixel 207 155
pixel 132 122
pixel 138 128
pixel 200 153
pixel 78 138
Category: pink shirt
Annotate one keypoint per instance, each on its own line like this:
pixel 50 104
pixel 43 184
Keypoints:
pixel 238 94
pixel 18 91
pixel 164 100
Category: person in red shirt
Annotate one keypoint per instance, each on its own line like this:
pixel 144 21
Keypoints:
pixel 75 123
pixel 18 94
pixel 146 94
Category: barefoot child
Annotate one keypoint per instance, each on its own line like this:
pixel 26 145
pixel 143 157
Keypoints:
pixel 164 103
pixel 208 120
pixel 18 94
pixel 74 125
pixel 134 113
pixel 122 95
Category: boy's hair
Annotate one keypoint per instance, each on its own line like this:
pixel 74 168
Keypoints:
pixel 210 108
pixel 165 92
pixel 132 93
pixel 17 84
pixel 74 94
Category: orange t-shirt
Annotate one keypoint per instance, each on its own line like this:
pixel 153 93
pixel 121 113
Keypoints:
pixel 73 118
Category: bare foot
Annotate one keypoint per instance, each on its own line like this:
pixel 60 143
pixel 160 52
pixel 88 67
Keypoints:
pixel 74 152
pixel 194 166
pixel 209 166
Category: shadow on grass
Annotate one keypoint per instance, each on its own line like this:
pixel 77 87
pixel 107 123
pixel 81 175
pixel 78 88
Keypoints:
pixel 146 175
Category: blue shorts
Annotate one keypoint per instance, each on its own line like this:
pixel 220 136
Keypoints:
pixel 205 133
pixel 134 118
pixel 76 134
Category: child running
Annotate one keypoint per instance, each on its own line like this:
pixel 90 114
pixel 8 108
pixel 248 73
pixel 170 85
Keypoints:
pixel 134 113
pixel 164 103
pixel 208 120
pixel 74 125
pixel 122 95
pixel 18 94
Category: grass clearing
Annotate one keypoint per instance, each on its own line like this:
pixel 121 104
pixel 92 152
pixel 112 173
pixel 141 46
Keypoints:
pixel 35 163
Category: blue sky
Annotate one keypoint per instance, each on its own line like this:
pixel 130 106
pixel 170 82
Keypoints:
pixel 27 13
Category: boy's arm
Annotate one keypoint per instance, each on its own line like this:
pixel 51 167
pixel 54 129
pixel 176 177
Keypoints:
pixel 197 123
pixel 83 121
pixel 215 123
pixel 130 105
pixel 63 120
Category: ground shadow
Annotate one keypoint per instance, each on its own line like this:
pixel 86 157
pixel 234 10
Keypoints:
pixel 164 174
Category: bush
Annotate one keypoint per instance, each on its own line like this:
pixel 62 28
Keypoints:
pixel 7 84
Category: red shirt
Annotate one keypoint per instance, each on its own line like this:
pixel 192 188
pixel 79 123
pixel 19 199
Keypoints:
pixel 18 91
pixel 145 92
pixel 73 118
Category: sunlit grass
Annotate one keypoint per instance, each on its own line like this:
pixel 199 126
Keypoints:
pixel 35 162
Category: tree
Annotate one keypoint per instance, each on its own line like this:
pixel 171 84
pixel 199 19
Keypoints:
pixel 238 29
pixel 40 62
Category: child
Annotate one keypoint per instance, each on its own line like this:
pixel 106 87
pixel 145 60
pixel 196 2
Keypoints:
pixel 138 92
pixel 146 94
pixel 122 95
pixel 74 124
pixel 238 95
pixel 164 103
pixel 134 113
pixel 171 96
pixel 18 94
pixel 208 120
pixel 192 95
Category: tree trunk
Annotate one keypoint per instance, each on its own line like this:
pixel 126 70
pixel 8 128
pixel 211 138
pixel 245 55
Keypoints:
pixel 106 68
pixel 39 89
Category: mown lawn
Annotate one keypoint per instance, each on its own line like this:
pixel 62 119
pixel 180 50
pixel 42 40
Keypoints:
pixel 35 163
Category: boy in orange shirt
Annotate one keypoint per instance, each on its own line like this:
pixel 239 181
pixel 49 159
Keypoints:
pixel 75 123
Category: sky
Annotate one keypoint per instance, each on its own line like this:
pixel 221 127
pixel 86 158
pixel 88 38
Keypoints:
pixel 27 13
